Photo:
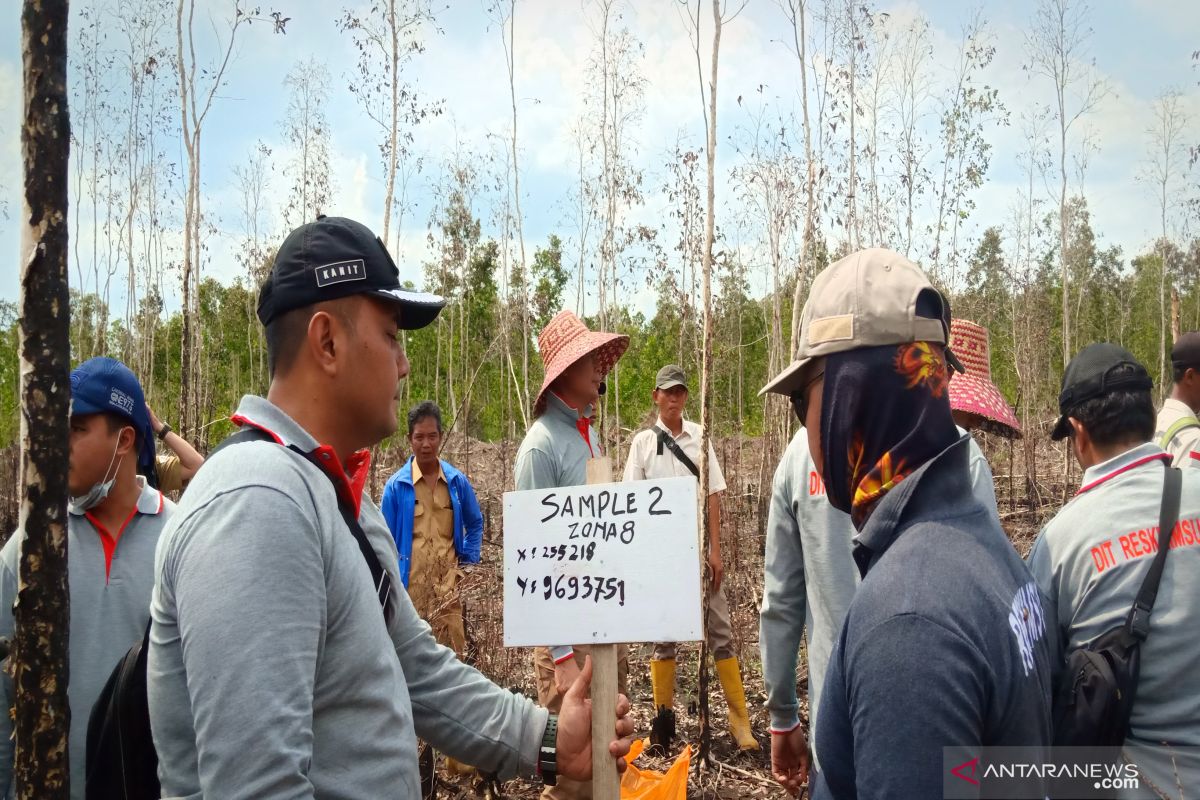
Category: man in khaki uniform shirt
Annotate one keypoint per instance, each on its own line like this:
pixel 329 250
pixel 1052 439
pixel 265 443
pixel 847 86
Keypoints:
pixel 175 470
pixel 434 516
pixel 655 453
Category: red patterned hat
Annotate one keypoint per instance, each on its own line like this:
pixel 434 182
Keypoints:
pixel 973 391
pixel 565 340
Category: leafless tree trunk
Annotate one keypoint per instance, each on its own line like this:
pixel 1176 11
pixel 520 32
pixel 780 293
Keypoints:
pixel 510 52
pixel 1166 159
pixel 796 11
pixel 1056 44
pixel 195 101
pixel 43 610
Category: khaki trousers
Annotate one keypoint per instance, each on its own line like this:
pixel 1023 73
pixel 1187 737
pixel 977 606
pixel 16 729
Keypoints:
pixel 720 630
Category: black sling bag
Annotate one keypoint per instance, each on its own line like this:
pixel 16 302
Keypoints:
pixel 1097 689
pixel 665 439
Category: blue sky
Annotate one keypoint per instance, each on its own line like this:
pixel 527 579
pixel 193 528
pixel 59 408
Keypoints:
pixel 1140 48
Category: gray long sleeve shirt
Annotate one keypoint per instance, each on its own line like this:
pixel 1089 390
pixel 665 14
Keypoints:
pixel 811 577
pixel 271 671
pixel 554 453
pixel 1090 561
pixel 110 605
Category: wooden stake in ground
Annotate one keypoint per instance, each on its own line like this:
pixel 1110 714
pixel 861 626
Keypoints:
pixel 42 611
pixel 606 783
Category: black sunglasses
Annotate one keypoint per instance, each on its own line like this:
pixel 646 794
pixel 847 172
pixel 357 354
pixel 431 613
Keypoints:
pixel 800 398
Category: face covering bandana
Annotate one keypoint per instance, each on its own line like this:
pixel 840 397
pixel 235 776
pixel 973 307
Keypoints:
pixel 99 491
pixel 885 412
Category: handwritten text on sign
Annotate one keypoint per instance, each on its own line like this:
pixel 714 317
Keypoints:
pixel 606 563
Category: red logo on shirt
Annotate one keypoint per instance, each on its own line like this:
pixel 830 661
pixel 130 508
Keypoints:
pixel 816 486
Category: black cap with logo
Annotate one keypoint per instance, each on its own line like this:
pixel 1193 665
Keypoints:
pixel 1097 370
pixel 337 257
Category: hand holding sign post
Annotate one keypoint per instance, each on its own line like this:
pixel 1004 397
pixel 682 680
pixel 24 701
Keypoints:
pixel 602 564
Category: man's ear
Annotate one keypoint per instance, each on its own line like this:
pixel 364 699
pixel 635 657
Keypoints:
pixel 322 341
pixel 1080 440
pixel 126 441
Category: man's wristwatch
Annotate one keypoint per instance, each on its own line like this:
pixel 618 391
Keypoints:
pixel 163 431
pixel 548 753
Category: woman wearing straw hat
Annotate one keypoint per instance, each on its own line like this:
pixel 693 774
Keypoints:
pixel 555 453
pixel 975 400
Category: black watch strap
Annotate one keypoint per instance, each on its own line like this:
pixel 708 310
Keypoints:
pixel 163 431
pixel 548 753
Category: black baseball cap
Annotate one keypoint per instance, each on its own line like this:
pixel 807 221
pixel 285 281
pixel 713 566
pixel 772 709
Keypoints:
pixel 1186 352
pixel 337 257
pixel 1097 370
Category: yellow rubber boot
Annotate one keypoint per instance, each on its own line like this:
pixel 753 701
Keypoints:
pixel 735 696
pixel 662 681
pixel 662 729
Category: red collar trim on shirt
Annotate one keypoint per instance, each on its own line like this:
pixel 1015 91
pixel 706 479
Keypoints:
pixel 1195 455
pixel 108 540
pixel 351 480
pixel 582 424
pixel 1126 468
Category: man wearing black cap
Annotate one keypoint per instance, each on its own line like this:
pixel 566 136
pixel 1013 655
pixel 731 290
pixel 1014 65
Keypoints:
pixel 113 527
pixel 1178 429
pixel 273 670
pixel 671 449
pixel 1091 559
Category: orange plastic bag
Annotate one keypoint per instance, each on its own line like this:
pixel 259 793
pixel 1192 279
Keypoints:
pixel 645 784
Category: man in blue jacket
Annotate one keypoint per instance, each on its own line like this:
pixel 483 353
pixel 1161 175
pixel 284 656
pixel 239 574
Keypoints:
pixel 435 519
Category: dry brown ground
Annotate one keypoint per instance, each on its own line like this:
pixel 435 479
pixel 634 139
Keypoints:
pixel 748 472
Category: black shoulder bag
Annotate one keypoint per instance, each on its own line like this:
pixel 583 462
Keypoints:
pixel 1096 692
pixel 121 762
pixel 665 439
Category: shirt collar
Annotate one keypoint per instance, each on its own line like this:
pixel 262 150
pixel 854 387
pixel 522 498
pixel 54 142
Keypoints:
pixel 1131 459
pixel 683 433
pixel 561 409
pixel 149 500
pixel 417 475
pixel 350 478
pixel 934 491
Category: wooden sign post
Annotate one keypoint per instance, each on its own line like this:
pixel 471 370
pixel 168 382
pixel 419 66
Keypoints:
pixel 602 564
pixel 606 782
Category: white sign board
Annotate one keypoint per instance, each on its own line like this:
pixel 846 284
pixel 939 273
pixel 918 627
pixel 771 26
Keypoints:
pixel 602 564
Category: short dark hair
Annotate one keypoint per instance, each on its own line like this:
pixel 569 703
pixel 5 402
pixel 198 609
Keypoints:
pixel 1120 417
pixel 285 334
pixel 1181 371
pixel 426 409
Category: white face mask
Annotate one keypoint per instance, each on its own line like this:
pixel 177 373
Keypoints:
pixel 99 491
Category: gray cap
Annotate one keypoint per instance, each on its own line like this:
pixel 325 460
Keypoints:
pixel 669 376
pixel 866 299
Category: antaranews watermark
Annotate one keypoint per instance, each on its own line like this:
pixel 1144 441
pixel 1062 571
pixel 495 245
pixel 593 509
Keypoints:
pixel 1134 772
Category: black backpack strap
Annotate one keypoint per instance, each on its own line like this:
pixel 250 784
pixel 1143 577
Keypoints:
pixel 379 576
pixel 1138 624
pixel 665 439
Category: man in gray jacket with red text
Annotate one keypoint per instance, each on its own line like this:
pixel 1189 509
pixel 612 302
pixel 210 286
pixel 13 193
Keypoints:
pixel 273 671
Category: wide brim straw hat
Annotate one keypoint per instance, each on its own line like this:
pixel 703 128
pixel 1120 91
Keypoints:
pixel 565 340
pixel 974 392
